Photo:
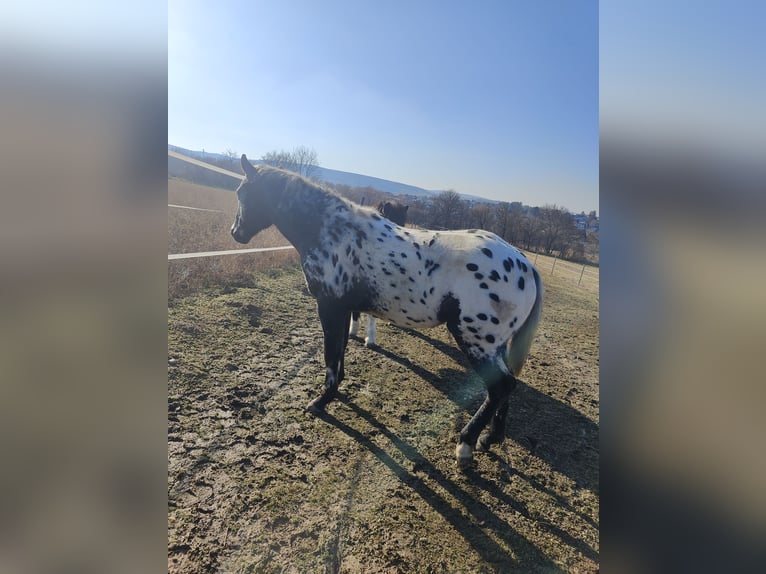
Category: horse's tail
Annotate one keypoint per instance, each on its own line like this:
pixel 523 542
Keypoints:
pixel 518 347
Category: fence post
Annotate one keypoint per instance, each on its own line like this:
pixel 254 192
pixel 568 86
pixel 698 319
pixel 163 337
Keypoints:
pixel 554 264
pixel 581 272
pixel 535 261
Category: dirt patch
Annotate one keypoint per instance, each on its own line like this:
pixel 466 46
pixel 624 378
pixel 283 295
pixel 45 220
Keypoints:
pixel 257 485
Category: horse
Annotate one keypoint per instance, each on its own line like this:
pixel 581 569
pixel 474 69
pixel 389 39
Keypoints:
pixel 353 259
pixel 396 212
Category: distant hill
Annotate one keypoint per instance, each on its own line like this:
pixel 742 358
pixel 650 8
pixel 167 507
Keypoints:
pixel 342 177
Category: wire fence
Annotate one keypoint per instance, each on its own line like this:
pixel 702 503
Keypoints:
pixel 584 276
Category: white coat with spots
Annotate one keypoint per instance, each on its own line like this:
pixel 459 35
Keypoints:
pixel 485 290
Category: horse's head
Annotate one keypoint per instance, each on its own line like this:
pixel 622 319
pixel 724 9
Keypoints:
pixel 253 212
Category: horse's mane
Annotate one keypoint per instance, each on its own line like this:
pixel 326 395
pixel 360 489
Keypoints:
pixel 297 188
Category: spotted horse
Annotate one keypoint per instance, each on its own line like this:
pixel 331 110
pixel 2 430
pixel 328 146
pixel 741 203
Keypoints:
pixel 485 290
pixel 396 212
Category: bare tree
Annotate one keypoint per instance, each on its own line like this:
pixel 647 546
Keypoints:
pixel 301 160
pixel 558 229
pixel 481 216
pixel 448 210
pixel 281 159
pixel 306 162
pixel 232 156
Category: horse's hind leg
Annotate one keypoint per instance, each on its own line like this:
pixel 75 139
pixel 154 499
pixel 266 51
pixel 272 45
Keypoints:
pixel 495 407
pixel 496 432
pixel 335 327
pixel 371 331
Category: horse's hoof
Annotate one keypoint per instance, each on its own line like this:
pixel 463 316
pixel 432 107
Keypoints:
pixel 464 455
pixel 316 406
pixel 485 442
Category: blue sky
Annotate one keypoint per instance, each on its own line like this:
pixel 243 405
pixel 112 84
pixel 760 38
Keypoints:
pixel 498 99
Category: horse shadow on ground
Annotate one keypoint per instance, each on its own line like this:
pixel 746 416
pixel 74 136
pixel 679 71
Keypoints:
pixel 549 429
pixel 483 518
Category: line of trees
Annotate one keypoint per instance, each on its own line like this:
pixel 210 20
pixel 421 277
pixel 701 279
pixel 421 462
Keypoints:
pixel 550 229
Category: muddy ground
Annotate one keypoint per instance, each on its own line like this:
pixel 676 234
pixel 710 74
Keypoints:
pixel 255 484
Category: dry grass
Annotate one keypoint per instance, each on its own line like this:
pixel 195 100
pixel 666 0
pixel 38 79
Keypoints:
pixel 191 231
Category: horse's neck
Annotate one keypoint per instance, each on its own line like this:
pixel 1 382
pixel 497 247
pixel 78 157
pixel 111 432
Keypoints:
pixel 300 217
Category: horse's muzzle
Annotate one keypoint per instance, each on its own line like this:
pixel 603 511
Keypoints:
pixel 238 235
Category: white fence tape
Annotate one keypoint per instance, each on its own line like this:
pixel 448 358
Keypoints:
pixel 211 167
pixel 228 252
pixel 195 208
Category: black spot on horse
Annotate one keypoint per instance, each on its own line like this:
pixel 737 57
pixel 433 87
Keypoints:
pixel 430 243
pixel 483 286
pixel 472 329
pixel 334 259
pixel 375 216
pixel 418 254
pixel 434 268
pixel 431 291
pixel 495 320
pixel 508 264
pixel 400 238
pixel 417 245
pixel 472 267
pixel 518 263
pixel 487 252
pixel 356 260
pixel 482 316
pixel 404 255
pixel 449 310
pixel 478 275
pixel 468 319
pixel 521 283
pixel 422 301
pixel 387 226
pixel 490 338
pixel 380 239
pixel 494 297
pixel 495 276
pixel 348 250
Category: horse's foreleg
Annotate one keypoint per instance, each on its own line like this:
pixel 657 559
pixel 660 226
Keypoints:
pixel 335 327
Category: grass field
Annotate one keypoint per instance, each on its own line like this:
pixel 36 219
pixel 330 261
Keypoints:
pixel 257 485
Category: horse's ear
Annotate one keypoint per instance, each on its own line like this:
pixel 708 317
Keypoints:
pixel 247 167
